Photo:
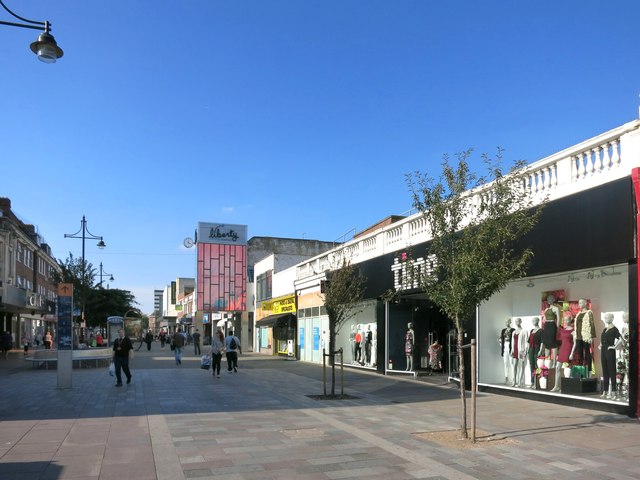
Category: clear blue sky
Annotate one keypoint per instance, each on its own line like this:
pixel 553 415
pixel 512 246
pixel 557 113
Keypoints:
pixel 296 118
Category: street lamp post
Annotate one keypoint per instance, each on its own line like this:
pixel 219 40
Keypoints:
pixel 45 47
pixel 86 234
pixel 111 279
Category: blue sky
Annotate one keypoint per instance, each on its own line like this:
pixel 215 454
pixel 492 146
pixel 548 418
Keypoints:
pixel 297 118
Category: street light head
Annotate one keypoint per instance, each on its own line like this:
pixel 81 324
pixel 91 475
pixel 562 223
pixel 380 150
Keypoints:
pixel 111 279
pixel 101 244
pixel 46 48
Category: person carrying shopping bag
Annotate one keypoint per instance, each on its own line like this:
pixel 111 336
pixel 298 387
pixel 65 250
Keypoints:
pixel 216 351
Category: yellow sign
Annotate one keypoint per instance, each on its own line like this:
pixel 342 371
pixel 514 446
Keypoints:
pixel 65 289
pixel 285 305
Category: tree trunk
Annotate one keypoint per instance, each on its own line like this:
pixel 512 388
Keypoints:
pixel 463 396
pixel 332 359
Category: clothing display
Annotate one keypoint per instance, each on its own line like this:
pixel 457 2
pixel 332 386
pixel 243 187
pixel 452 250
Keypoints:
pixel 566 344
pixel 608 357
pixel 550 328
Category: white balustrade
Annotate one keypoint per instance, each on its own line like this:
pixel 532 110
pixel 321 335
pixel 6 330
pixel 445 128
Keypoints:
pixel 592 162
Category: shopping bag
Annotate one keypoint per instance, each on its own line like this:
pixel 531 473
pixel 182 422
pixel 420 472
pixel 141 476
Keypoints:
pixel 205 362
pixel 112 369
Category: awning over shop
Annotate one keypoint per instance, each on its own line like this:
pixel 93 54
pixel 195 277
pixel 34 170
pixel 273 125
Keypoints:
pixel 279 320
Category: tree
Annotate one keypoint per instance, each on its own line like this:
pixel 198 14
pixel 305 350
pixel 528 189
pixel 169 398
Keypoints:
pixel 477 225
pixel 99 303
pixel 343 293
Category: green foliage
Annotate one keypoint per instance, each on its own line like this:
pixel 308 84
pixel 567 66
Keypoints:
pixel 342 294
pixel 99 303
pixel 476 224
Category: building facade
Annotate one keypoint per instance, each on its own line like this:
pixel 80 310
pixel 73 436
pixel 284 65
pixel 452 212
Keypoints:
pixel 27 288
pixel 585 266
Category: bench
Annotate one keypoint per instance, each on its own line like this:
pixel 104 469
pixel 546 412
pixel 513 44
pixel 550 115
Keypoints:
pixel 79 358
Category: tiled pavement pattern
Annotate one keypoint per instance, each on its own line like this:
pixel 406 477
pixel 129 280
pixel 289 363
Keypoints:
pixel 180 422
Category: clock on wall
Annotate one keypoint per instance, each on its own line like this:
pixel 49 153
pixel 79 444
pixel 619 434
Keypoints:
pixel 188 242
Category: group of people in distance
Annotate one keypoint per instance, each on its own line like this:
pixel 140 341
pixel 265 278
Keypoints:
pixel 559 347
pixel 229 346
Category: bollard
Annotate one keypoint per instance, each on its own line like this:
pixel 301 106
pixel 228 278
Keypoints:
pixel 324 372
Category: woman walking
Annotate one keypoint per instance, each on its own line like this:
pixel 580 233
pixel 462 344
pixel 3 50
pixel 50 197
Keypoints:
pixel 216 351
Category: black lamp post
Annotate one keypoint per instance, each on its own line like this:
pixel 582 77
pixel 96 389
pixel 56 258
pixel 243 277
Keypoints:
pixel 85 235
pixel 102 272
pixel 45 47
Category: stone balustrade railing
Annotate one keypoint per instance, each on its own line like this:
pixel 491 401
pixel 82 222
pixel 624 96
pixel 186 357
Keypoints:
pixel 601 159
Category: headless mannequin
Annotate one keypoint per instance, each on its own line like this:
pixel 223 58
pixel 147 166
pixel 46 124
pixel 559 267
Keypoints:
pixel 409 342
pixel 585 333
pixel 504 339
pixel 608 341
pixel 567 335
pixel 519 343
pixel 535 342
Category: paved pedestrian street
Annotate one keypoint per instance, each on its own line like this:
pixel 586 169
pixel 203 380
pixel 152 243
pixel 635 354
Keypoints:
pixel 263 423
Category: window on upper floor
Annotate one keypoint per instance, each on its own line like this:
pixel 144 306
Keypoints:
pixel 264 286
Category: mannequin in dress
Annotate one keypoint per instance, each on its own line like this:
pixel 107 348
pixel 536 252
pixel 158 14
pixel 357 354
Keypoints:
pixel 435 356
pixel 566 349
pixel 504 339
pixel 608 340
pixel 409 343
pixel 585 333
pixel 358 345
pixel 519 343
pixel 368 338
pixel 550 329
pixel 533 351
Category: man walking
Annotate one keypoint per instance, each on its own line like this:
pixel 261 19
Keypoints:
pixel 178 344
pixel 196 342
pixel 232 344
pixel 121 347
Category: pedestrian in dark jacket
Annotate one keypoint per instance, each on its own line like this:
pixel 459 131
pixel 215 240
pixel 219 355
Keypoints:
pixel 121 348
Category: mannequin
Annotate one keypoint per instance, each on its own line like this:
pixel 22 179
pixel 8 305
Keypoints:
pixel 519 342
pixel 368 337
pixel 550 329
pixel 566 349
pixel 622 346
pixel 352 342
pixel 374 346
pixel 585 333
pixel 435 356
pixel 535 343
pixel 505 348
pixel 409 342
pixel 608 340
pixel 358 345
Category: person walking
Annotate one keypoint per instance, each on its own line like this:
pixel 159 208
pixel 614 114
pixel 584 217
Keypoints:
pixel 163 339
pixel 141 340
pixel 178 344
pixel 148 339
pixel 121 348
pixel 215 352
pixel 48 339
pixel 26 341
pixel 196 342
pixel 232 347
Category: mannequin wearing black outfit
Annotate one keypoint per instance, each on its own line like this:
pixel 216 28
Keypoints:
pixel 608 341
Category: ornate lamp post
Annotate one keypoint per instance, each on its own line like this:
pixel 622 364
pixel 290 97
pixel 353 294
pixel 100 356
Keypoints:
pixel 45 47
pixel 84 234
pixel 102 272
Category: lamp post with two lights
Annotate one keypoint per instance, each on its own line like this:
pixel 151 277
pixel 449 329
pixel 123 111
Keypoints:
pixel 84 234
pixel 102 272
